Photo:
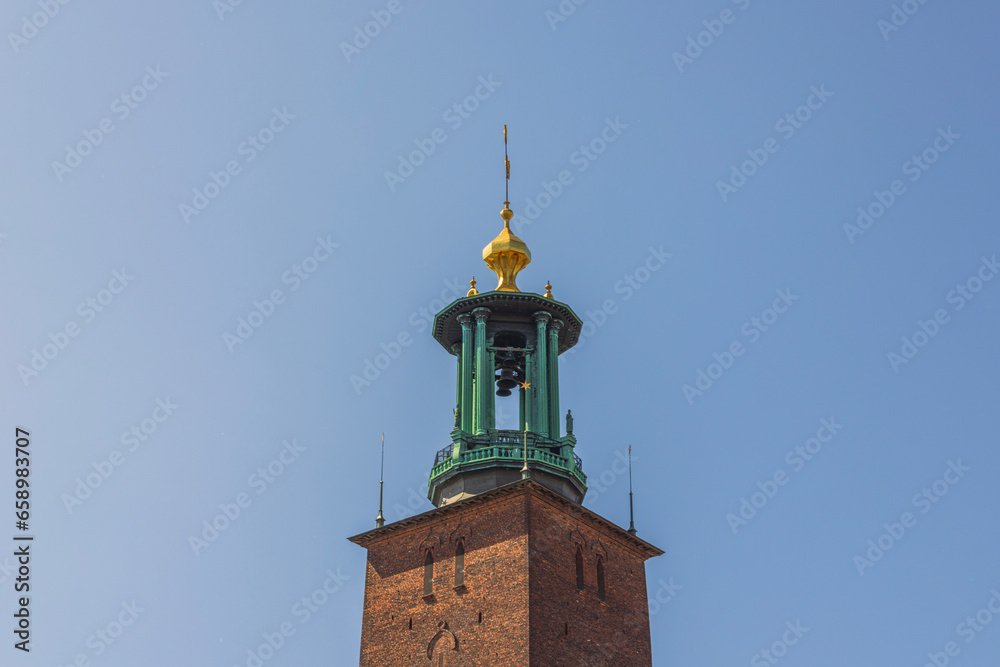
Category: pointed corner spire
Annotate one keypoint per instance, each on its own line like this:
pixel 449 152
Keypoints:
pixel 548 290
pixel 380 520
pixel 631 514
pixel 472 287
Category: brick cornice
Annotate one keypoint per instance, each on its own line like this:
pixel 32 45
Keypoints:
pixel 512 490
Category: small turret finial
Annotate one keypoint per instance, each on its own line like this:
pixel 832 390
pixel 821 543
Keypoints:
pixel 548 290
pixel 472 287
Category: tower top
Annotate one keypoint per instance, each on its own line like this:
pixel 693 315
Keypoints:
pixel 507 342
pixel 506 255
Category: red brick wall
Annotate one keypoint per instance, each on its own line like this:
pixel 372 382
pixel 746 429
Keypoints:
pixel 572 628
pixel 496 585
pixel 499 576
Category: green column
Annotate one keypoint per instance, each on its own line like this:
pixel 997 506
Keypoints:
pixel 554 328
pixel 465 404
pixel 491 403
pixel 541 374
pixel 457 351
pixel 484 377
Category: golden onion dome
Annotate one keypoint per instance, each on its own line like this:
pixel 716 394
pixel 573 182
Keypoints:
pixel 506 255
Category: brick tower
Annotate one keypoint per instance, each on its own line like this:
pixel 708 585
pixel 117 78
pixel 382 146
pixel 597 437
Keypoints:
pixel 509 569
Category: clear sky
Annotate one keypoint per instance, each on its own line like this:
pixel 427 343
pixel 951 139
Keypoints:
pixel 797 377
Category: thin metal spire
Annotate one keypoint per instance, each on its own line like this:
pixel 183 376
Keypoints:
pixel 380 520
pixel 506 162
pixel 525 473
pixel 631 514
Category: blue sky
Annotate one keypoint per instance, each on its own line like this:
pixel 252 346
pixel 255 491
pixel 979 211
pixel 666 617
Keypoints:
pixel 171 170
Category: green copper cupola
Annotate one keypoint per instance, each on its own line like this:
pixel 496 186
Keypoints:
pixel 507 345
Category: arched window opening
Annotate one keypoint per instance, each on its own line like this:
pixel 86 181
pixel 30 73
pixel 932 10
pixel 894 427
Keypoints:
pixel 601 593
pixel 460 565
pixel 428 574
pixel 579 569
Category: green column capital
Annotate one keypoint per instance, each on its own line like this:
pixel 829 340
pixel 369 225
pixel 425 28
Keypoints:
pixel 542 316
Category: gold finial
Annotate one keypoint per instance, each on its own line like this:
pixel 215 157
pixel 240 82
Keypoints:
pixel 548 290
pixel 506 255
pixel 472 287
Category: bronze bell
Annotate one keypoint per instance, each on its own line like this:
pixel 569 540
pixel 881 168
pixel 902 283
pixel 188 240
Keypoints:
pixel 506 381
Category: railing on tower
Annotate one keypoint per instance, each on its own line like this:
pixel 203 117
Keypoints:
pixel 507 445
pixel 444 454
